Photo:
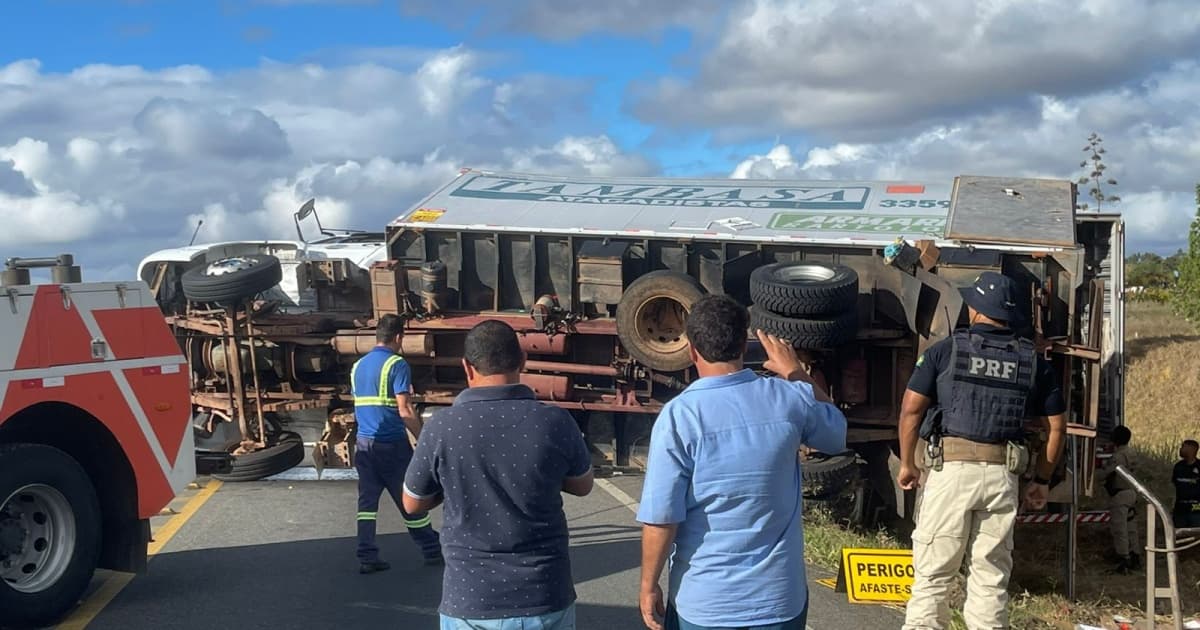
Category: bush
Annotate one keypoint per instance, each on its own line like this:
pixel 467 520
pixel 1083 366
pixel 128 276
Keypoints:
pixel 1156 295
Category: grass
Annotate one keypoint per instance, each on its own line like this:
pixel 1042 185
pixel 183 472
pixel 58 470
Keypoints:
pixel 1162 396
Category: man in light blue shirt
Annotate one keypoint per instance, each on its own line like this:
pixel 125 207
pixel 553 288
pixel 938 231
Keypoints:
pixel 723 483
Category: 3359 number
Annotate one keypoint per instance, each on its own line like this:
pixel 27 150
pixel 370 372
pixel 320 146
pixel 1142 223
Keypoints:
pixel 914 203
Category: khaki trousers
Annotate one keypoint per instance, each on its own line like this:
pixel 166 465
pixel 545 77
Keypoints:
pixel 966 508
pixel 1122 513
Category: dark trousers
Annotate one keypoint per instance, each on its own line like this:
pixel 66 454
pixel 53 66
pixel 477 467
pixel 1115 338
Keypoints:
pixel 1186 514
pixel 381 466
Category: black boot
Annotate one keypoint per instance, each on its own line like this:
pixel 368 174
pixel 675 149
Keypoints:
pixel 1135 561
pixel 373 567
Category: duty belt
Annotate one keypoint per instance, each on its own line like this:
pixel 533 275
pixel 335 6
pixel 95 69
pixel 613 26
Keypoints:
pixel 955 449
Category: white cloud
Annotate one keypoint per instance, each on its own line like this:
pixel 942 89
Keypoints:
pixel 115 162
pixel 23 72
pixel 35 212
pixel 859 68
pixel 190 131
pixel 596 156
pixel 1149 131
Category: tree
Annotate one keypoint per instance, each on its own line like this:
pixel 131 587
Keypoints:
pixel 1186 297
pixel 1148 270
pixel 1095 177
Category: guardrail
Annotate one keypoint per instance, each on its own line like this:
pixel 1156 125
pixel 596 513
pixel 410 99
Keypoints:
pixel 1175 540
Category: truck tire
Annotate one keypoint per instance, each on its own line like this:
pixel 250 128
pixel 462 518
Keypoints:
pixel 809 334
pixel 652 317
pixel 231 280
pixel 797 289
pixel 284 454
pixel 824 475
pixel 49 534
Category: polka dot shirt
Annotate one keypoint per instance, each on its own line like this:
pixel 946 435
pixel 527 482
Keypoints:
pixel 500 457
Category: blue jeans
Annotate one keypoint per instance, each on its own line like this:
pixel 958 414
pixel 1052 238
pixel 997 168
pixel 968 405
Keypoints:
pixel 674 622
pixel 560 620
pixel 381 467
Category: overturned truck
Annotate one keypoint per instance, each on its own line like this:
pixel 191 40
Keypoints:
pixel 597 275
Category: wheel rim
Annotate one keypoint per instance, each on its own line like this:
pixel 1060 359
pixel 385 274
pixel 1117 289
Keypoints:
pixel 226 266
pixel 661 324
pixel 805 274
pixel 37 538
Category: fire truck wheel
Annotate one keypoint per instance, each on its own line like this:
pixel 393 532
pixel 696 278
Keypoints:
pixel 808 334
pixel 797 289
pixel 651 319
pixel 285 453
pixel 49 534
pixel 229 280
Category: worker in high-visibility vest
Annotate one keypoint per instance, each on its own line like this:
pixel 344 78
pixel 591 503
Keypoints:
pixel 381 383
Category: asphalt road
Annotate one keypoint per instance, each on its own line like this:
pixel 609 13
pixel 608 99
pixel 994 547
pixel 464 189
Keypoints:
pixel 280 554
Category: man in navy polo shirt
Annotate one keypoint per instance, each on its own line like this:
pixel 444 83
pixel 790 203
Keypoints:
pixel 723 483
pixel 499 460
pixel 381 382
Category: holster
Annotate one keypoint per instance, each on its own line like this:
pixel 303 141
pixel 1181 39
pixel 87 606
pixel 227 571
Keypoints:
pixel 933 456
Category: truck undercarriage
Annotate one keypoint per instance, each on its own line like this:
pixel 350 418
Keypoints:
pixel 600 311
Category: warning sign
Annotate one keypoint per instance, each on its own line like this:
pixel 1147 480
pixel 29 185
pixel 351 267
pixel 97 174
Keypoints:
pixel 875 576
pixel 425 215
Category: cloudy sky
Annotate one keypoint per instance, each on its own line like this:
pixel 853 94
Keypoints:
pixel 124 122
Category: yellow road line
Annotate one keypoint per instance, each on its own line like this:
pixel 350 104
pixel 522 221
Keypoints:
pixel 172 527
pixel 116 582
pixel 92 606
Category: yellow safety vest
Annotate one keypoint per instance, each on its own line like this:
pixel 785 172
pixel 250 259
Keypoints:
pixel 382 399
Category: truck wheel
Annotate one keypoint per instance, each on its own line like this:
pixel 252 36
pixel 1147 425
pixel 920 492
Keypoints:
pixel 804 288
pixel 652 317
pixel 284 454
pixel 230 280
pixel 809 334
pixel 824 475
pixel 49 534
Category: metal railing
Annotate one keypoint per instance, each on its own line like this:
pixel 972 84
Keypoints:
pixel 1175 540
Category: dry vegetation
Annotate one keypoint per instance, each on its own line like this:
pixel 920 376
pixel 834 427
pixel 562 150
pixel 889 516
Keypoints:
pixel 1162 407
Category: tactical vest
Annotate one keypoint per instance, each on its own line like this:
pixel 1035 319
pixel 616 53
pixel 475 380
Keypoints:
pixel 984 390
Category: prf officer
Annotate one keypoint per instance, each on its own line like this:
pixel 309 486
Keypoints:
pixel 980 385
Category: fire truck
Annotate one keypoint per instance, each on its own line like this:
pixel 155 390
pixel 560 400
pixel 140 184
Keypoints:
pixel 95 433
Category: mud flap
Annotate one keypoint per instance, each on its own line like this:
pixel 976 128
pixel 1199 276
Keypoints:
pixel 335 448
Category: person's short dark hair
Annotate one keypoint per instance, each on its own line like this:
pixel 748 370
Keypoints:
pixel 1121 435
pixel 1192 443
pixel 492 348
pixel 716 328
pixel 388 327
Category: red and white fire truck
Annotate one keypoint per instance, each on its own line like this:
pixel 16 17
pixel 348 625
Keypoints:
pixel 94 433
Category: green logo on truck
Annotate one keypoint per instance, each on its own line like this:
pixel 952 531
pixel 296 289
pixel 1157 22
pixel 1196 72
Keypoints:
pixel 883 224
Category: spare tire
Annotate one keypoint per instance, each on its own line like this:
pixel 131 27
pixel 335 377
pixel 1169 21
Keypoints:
pixel 809 334
pixel 804 288
pixel 652 318
pixel 230 280
pixel 285 453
